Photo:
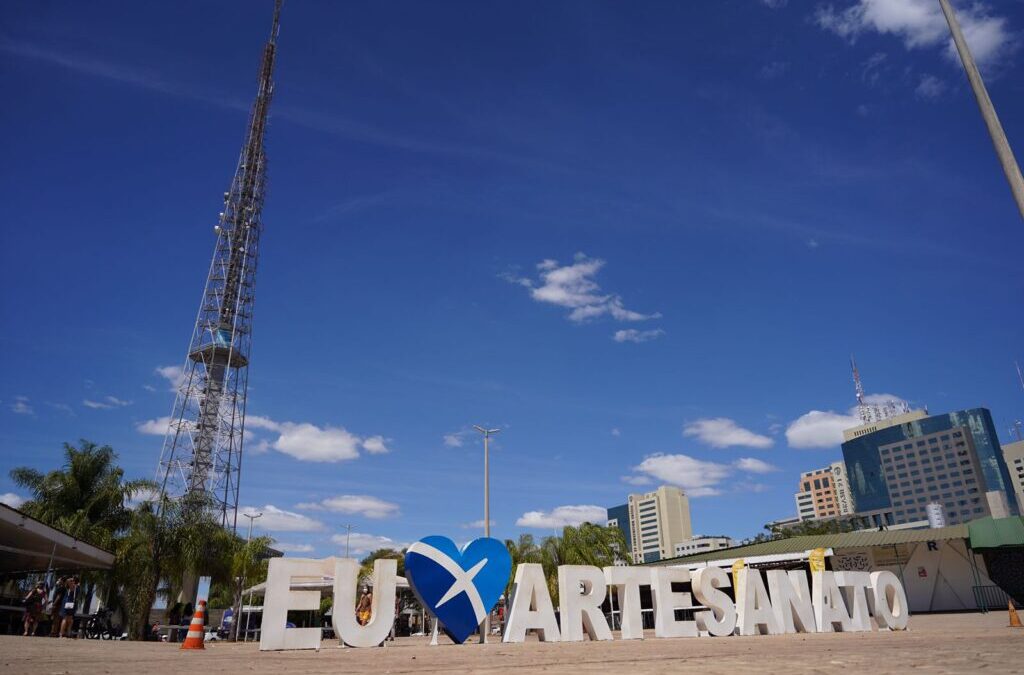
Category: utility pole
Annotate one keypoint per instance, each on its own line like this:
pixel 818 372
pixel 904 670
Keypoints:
pixel 245 569
pixel 348 536
pixel 988 111
pixel 487 507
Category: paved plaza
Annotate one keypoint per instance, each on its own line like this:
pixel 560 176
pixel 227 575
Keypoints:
pixel 950 643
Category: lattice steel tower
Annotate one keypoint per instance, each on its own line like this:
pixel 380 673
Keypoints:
pixel 202 451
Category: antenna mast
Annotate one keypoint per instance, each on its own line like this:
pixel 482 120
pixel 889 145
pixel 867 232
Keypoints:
pixel 202 451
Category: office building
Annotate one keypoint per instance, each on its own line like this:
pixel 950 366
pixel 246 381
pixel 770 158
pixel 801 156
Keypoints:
pixel 841 486
pixel 896 466
pixel 654 522
pixel 701 544
pixel 816 497
pixel 1013 454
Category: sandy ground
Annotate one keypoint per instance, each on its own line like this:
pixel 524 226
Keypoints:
pixel 951 643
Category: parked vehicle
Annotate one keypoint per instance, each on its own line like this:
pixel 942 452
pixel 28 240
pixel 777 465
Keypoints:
pixel 99 626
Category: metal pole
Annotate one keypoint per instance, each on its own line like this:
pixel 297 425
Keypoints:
pixel 245 566
pixel 348 537
pixel 988 111
pixel 486 625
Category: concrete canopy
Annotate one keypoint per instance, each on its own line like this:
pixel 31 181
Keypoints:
pixel 28 545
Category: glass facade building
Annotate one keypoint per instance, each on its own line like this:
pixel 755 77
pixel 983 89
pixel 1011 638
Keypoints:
pixel 868 478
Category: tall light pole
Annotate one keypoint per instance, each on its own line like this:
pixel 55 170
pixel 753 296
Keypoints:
pixel 988 111
pixel 245 568
pixel 348 536
pixel 487 506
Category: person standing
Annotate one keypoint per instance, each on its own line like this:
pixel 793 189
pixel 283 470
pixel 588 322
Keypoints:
pixel 53 609
pixel 363 608
pixel 34 608
pixel 67 608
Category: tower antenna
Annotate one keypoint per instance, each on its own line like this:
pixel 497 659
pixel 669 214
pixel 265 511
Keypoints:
pixel 202 451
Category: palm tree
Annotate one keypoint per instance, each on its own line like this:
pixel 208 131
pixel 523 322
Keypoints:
pixel 523 551
pixel 585 544
pixel 88 497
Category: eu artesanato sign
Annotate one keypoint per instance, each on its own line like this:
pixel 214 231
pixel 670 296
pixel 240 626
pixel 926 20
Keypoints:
pixel 461 587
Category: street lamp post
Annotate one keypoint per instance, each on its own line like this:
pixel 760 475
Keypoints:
pixel 988 111
pixel 348 537
pixel 245 566
pixel 487 506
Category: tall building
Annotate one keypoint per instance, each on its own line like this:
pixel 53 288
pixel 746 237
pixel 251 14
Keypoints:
pixel 898 465
pixel 654 522
pixel 702 544
pixel 816 495
pixel 618 516
pixel 841 485
pixel 1013 454
pixel 202 451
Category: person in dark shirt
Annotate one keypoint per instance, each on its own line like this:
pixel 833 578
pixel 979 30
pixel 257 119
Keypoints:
pixel 34 608
pixel 67 608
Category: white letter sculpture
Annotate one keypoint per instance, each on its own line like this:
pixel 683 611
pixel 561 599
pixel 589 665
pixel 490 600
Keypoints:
pixel 667 601
pixel 581 612
pixel 854 587
pixel 791 599
pixel 382 610
pixel 531 606
pixel 829 607
pixel 720 618
pixel 278 599
pixel 754 613
pixel 626 582
pixel 891 610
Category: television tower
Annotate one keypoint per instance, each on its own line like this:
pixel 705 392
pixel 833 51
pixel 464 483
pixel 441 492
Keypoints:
pixel 870 413
pixel 202 451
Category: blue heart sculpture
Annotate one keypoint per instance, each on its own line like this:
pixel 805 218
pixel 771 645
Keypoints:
pixel 460 589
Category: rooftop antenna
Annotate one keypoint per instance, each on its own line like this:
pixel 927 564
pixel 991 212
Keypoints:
pixel 858 387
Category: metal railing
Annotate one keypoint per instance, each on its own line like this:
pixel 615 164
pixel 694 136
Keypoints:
pixel 990 597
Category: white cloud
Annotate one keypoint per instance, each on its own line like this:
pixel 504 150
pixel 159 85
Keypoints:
pixel 476 525
pixel 12 500
pixel 63 407
pixel 753 465
pixel 921 24
pixel 303 441
pixel 173 374
pixel 774 4
pixel 279 520
pixel 257 446
pixel 574 287
pixel 930 87
pixel 21 406
pixel 634 335
pixel 157 427
pixel 637 480
pixel 311 443
pixel 722 432
pixel 360 543
pixel 616 432
pixel 293 548
pixel 107 403
pixel 562 516
pixel 364 505
pixel 697 477
pixel 457 439
pixel 824 429
pixel 375 445
pixel 819 429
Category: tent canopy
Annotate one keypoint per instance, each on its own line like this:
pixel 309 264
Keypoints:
pixel 28 545
pixel 996 532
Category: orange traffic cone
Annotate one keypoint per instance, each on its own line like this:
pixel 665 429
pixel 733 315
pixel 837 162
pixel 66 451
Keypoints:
pixel 196 634
pixel 1014 619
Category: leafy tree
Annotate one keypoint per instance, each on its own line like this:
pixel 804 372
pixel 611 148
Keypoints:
pixel 586 544
pixel 366 564
pixel 87 497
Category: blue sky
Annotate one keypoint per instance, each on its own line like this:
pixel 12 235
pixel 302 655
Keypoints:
pixel 641 239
